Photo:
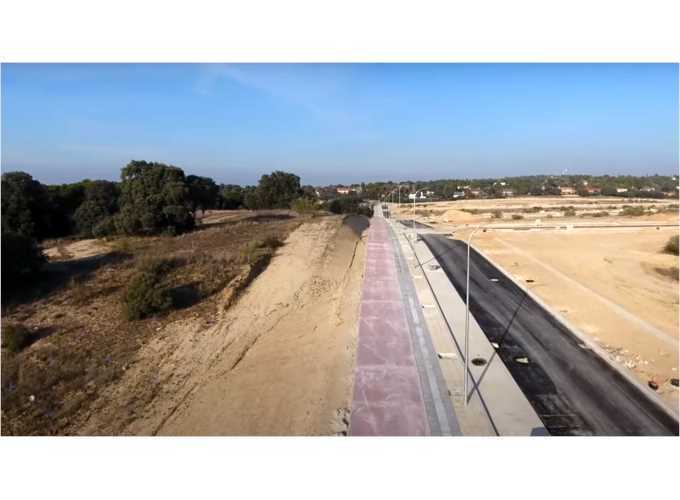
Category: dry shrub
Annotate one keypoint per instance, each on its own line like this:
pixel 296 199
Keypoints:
pixel 672 245
pixel 15 337
pixel 146 293
pixel 254 251
pixel 630 211
pixel 304 205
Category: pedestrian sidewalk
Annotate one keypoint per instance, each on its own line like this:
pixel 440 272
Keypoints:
pixel 397 389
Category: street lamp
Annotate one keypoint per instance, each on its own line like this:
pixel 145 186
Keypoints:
pixel 415 195
pixel 467 316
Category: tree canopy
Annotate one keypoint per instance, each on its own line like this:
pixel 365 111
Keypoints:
pixel 100 203
pixel 276 190
pixel 25 206
pixel 154 198
pixel 203 192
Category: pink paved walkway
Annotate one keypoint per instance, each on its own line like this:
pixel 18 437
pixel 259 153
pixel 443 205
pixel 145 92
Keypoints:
pixel 387 399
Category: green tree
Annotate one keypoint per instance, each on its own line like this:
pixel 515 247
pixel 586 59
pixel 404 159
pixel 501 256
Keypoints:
pixel 154 198
pixel 101 202
pixel 278 190
pixel 22 261
pixel 25 206
pixel 64 200
pixel 250 198
pixel 203 193
pixel 231 197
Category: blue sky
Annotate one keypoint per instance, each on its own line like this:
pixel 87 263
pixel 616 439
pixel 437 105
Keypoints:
pixel 340 123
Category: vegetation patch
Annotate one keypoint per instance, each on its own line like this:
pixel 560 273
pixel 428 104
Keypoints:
pixel 147 294
pixel 349 205
pixel 631 211
pixel 15 337
pixel 304 205
pixel 672 245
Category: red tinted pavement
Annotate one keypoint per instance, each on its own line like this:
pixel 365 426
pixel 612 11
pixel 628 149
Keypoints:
pixel 388 399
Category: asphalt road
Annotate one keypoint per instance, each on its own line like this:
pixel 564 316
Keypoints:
pixel 572 389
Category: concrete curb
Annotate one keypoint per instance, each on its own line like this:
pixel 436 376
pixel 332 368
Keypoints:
pixel 583 337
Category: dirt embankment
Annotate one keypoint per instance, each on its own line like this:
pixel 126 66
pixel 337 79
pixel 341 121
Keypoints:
pixel 278 362
pixel 81 342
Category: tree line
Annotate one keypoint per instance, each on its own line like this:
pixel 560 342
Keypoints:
pixel 534 185
pixel 150 198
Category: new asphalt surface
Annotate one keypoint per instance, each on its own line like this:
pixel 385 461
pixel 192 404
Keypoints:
pixel 572 389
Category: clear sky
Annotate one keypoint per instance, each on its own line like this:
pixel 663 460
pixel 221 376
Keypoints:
pixel 340 123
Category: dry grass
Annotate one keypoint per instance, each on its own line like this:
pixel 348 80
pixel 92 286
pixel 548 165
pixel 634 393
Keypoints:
pixel 81 340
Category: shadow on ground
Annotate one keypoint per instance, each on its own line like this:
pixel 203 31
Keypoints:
pixel 58 275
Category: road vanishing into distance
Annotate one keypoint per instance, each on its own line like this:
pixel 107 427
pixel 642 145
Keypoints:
pixel 573 390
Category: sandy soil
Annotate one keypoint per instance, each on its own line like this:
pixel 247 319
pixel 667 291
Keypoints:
pixel 545 209
pixel 616 285
pixel 78 249
pixel 277 362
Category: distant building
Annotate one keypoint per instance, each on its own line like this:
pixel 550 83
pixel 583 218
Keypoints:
pixel 648 189
pixel 593 190
pixel 474 192
pixel 567 190
pixel 344 190
pixel 508 193
pixel 458 194
pixel 621 190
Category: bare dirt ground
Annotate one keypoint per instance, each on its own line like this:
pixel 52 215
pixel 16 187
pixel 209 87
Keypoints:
pixel 79 249
pixel 545 209
pixel 278 362
pixel 616 285
pixel 81 342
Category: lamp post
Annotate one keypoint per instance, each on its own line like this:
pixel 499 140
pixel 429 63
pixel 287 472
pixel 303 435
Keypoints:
pixel 391 195
pixel 415 195
pixel 467 316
